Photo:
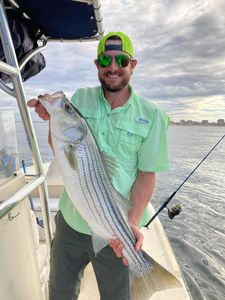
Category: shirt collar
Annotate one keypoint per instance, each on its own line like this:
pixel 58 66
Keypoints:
pixel 124 106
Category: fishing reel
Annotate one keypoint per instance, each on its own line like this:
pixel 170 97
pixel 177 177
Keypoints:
pixel 174 211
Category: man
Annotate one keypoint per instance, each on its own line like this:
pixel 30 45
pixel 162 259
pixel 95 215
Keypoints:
pixel 131 129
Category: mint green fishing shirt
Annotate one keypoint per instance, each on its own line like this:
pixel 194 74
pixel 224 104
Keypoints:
pixel 135 134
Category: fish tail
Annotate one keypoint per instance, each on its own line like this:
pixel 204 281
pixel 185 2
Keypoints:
pixel 155 280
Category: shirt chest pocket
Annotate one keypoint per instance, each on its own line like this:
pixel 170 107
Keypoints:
pixel 130 136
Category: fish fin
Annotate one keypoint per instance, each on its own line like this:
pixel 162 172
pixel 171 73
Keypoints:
pixel 98 242
pixel 122 203
pixel 110 164
pixel 70 156
pixel 53 175
pixel 156 280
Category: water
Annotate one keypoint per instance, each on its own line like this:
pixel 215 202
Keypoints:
pixel 197 235
pixel 41 130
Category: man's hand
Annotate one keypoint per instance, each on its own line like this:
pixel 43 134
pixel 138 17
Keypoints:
pixel 139 237
pixel 118 246
pixel 39 109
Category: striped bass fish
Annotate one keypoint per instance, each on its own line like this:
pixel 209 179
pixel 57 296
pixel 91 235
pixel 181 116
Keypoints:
pixel 85 173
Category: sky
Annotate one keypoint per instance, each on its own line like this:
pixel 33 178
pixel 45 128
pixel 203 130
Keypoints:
pixel 180 48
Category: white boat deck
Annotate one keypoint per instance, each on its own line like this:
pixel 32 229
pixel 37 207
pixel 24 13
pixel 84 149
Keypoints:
pixel 158 247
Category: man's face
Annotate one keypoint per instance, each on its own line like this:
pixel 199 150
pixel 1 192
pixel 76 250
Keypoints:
pixel 114 78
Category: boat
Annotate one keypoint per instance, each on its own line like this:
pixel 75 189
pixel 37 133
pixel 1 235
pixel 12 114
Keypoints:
pixel 24 252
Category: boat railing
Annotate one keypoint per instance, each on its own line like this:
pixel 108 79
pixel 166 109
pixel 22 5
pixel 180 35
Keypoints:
pixel 12 68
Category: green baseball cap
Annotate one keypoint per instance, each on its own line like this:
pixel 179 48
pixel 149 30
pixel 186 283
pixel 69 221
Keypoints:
pixel 126 43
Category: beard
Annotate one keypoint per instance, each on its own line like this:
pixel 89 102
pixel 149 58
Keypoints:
pixel 114 87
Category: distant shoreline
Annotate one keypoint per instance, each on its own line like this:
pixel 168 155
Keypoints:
pixel 196 124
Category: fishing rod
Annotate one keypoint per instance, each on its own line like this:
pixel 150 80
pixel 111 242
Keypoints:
pixel 177 209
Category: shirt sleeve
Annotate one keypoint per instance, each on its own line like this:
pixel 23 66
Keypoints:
pixel 153 152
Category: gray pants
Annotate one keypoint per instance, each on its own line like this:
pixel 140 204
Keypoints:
pixel 71 252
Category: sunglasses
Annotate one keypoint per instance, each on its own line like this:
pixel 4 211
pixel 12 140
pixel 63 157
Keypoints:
pixel 122 60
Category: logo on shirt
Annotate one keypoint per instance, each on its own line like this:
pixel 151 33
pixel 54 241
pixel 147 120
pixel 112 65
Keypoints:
pixel 129 133
pixel 142 121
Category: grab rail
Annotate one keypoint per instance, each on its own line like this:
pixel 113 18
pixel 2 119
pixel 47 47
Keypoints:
pixel 13 201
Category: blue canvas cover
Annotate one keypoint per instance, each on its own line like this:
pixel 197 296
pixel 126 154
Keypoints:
pixel 65 19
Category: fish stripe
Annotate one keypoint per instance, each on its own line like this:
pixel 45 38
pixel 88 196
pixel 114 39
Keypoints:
pixel 118 214
pixel 93 193
pixel 98 189
pixel 100 183
pixel 123 227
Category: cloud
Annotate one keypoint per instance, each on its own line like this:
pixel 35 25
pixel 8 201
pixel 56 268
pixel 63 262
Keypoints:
pixel 196 108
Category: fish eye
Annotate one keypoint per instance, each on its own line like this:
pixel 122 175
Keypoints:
pixel 68 107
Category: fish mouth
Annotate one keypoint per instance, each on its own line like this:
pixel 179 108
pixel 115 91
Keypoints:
pixel 43 99
pixel 46 100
